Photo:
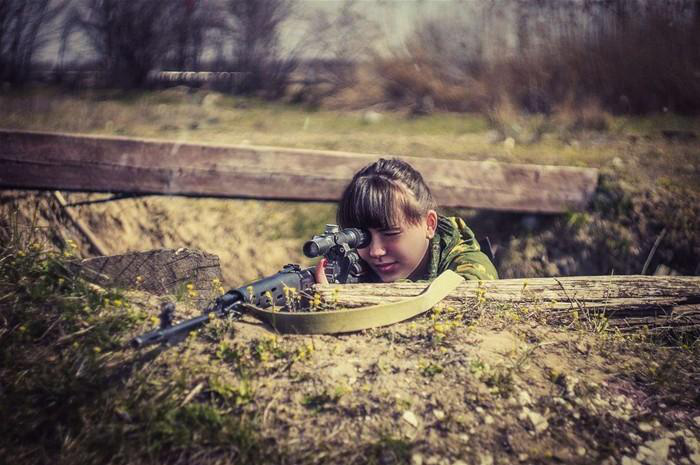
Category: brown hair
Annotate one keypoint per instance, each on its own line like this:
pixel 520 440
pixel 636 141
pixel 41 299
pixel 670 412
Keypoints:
pixel 380 192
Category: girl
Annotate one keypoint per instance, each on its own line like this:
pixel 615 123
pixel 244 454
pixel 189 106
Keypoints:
pixel 409 240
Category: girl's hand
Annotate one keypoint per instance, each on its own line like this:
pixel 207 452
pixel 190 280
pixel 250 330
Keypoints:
pixel 320 273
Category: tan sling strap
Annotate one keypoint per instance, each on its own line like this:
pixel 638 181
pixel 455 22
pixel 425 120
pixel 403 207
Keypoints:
pixel 344 321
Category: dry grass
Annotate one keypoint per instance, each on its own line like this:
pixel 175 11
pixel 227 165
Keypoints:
pixel 469 383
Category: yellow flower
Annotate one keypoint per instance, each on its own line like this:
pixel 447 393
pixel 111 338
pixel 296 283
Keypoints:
pixel 190 286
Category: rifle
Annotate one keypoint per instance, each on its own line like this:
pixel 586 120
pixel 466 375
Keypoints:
pixel 343 266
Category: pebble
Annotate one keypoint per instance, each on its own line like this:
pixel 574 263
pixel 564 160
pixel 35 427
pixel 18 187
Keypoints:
pixel 439 414
pixel 580 451
pixel 645 427
pixel 486 459
pixel 410 418
pixel 488 420
pixel 697 420
pixel 654 452
pixel 416 459
pixel 372 117
pixel 524 398
pixel 539 422
pixel 629 461
pixel 618 163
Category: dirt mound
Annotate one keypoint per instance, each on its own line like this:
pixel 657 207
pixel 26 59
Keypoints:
pixel 252 239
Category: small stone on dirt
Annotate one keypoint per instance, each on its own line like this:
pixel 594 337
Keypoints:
pixel 654 452
pixel 486 459
pixel 410 418
pixel 524 398
pixel 539 422
pixel 416 459
pixel 645 427
pixel 439 414
pixel 629 461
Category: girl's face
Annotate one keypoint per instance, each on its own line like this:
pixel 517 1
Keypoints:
pixel 395 253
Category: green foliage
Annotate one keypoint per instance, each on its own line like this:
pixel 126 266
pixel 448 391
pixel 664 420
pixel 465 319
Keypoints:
pixel 72 393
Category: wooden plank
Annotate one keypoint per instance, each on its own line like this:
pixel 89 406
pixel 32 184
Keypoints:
pixel 39 160
pixel 628 302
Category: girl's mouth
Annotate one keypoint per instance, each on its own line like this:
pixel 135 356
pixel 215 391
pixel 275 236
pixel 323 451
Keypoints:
pixel 385 267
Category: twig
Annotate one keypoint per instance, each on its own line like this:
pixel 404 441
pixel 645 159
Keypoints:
pixel 269 405
pixel 196 390
pixel 80 224
pixel 77 333
pixel 653 250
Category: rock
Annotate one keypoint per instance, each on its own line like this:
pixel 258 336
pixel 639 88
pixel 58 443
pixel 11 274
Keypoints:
pixel 211 99
pixel 538 421
pixel 509 143
pixel 416 459
pixel 629 461
pixel 617 163
pixel 654 452
pixel 486 459
pixel 524 398
pixel 439 414
pixel 645 427
pixel 488 420
pixel 372 117
pixel 410 418
pixel 580 451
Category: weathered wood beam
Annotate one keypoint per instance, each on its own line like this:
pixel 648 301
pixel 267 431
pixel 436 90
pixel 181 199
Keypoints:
pixel 626 302
pixel 38 160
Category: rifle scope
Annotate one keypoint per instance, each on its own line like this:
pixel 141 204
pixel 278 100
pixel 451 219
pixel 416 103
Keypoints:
pixel 355 238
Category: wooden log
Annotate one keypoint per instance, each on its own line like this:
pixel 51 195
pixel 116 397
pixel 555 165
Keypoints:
pixel 624 302
pixel 37 160
pixel 191 273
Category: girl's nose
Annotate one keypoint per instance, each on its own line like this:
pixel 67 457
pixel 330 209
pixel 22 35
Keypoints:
pixel 376 249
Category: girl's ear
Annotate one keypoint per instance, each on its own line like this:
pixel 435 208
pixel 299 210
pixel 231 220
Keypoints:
pixel 431 220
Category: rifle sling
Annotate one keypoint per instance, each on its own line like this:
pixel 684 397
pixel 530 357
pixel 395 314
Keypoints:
pixel 344 321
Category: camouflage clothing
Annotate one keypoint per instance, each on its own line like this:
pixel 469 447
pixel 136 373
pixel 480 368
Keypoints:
pixel 455 248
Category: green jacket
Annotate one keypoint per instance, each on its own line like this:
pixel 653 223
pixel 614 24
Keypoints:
pixel 455 248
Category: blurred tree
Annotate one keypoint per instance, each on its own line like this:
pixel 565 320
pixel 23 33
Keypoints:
pixel 129 37
pixel 24 30
pixel 255 28
pixel 192 21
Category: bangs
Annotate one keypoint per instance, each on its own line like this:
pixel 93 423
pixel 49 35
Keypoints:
pixel 377 202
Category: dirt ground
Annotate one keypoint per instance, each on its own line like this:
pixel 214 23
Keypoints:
pixel 466 386
pixel 483 385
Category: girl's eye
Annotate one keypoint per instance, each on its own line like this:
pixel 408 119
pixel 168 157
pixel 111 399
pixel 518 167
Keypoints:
pixel 392 233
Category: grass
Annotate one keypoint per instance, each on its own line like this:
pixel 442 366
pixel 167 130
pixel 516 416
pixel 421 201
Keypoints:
pixel 646 155
pixel 72 392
